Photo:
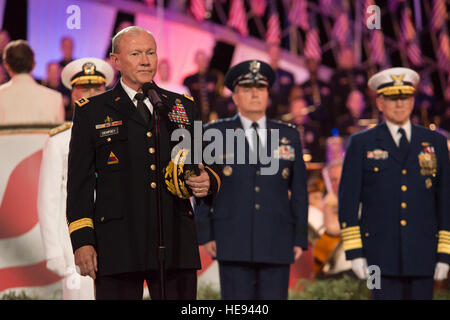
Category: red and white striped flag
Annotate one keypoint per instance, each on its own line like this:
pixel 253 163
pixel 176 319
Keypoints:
pixel 409 38
pixel 298 14
pixel 407 27
pixel 443 53
pixel 273 33
pixel 238 18
pixel 341 30
pixel 258 7
pixel 438 15
pixel 312 45
pixel 198 9
pixel 377 49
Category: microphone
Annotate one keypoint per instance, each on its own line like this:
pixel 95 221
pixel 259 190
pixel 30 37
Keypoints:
pixel 149 89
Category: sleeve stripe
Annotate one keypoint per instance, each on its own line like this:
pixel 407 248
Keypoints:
pixel 82 223
pixel 443 248
pixel 216 176
pixel 353 244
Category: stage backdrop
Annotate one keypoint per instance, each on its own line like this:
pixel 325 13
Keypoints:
pixel 47 24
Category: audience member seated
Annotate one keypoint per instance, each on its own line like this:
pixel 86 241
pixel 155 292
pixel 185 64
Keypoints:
pixel 349 122
pixel 346 78
pixel 329 247
pixel 312 143
pixel 22 100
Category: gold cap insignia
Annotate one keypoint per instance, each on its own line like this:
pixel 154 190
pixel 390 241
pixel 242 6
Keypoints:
pixel 89 68
pixel 398 80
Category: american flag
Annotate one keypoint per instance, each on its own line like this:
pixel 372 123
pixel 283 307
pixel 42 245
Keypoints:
pixel 298 14
pixel 258 7
pixel 341 30
pixel 438 15
pixel 312 45
pixel 393 4
pixel 407 27
pixel 238 18
pixel 327 7
pixel 198 9
pixel 377 49
pixel 273 33
pixel 443 53
pixel 409 38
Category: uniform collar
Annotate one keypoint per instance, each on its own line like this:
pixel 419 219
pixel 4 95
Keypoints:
pixel 247 123
pixel 393 129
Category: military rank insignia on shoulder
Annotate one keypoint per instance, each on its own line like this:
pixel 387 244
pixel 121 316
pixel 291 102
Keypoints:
pixel 189 97
pixel 60 128
pixel 286 124
pixel 81 102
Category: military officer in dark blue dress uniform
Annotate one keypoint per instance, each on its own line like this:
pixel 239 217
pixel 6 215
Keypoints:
pixel 257 225
pixel 397 175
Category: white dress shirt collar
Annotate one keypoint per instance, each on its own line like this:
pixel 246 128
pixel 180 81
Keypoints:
pixel 249 134
pixel 132 93
pixel 393 129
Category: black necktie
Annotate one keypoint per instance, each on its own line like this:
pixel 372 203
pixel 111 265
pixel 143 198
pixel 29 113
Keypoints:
pixel 255 126
pixel 404 144
pixel 142 108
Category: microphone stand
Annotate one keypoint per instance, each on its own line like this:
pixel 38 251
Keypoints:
pixel 149 90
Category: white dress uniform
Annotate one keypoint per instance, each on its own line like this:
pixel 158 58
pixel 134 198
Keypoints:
pixel 53 185
pixel 51 210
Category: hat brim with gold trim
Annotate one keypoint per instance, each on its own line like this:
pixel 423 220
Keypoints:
pixel 177 172
pixel 250 73
pixel 87 71
pixel 394 81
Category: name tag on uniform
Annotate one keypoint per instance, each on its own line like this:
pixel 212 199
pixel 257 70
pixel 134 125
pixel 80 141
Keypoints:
pixel 109 132
pixel 377 154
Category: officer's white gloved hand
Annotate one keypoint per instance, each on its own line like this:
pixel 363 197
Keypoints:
pixel 57 265
pixel 441 271
pixel 359 267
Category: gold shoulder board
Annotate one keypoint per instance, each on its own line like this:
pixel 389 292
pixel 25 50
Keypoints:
pixel 61 128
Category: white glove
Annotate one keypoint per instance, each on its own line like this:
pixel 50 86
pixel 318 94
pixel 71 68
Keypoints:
pixel 359 267
pixel 441 271
pixel 57 265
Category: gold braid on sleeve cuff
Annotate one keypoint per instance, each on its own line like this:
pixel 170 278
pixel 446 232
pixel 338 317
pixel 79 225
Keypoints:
pixel 215 176
pixel 81 223
pixel 351 237
pixel 444 242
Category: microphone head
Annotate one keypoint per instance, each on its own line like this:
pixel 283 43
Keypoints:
pixel 148 86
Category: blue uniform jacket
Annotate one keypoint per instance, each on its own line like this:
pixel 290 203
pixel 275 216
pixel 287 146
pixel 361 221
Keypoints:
pixel 405 206
pixel 253 219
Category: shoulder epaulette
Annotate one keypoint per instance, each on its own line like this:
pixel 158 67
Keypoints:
pixel 189 97
pixel 218 121
pixel 60 128
pixel 81 102
pixel 285 123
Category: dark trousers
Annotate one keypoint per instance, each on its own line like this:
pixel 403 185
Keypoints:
pixel 180 285
pixel 404 288
pixel 253 281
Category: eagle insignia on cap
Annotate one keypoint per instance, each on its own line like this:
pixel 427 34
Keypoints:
pixel 255 66
pixel 398 80
pixel 89 68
